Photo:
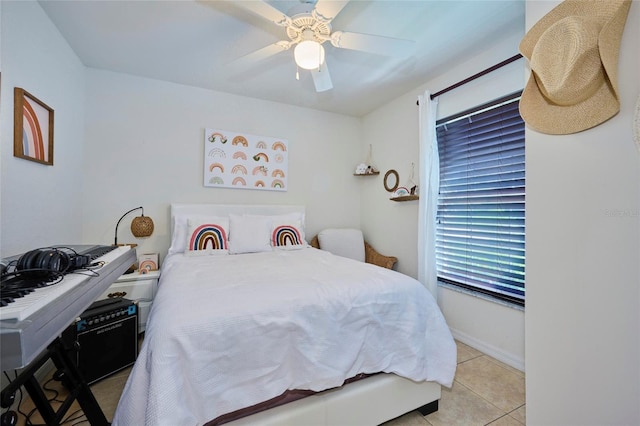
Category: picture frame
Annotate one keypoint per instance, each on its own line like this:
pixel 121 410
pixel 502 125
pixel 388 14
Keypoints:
pixel 32 128
pixel 240 160
pixel 391 180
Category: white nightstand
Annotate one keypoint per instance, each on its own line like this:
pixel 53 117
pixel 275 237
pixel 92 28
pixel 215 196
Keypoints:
pixel 137 287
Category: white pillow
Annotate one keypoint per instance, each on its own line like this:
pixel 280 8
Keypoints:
pixel 178 235
pixel 207 236
pixel 294 217
pixel 249 234
pixel 287 234
pixel 345 242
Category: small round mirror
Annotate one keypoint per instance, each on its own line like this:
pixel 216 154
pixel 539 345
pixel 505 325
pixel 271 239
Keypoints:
pixel 391 180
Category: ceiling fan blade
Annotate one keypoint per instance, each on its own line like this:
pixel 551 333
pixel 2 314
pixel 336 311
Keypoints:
pixel 326 10
pixel 371 43
pixel 265 10
pixel 252 58
pixel 322 78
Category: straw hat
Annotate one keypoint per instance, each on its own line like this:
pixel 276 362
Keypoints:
pixel 573 54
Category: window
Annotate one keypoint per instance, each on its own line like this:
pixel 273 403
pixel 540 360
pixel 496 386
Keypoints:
pixel 481 204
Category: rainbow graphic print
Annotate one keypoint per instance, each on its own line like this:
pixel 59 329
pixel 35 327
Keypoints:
pixel 208 236
pixel 35 131
pixel 286 235
pixel 246 161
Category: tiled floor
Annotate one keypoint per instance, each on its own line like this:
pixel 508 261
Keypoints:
pixel 485 392
pixel 106 391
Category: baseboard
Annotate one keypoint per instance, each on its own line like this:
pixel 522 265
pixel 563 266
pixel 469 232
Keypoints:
pixel 494 352
pixel 45 371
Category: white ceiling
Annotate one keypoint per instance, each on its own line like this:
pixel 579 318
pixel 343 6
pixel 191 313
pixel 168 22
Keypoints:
pixel 192 42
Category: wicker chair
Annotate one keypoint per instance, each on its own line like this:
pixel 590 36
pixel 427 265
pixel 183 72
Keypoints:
pixel 370 254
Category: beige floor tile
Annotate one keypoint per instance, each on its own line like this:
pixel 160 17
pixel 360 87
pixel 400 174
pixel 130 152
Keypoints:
pixel 28 408
pixel 499 385
pixel 520 414
pixel 413 418
pixel 108 391
pixel 506 421
pixel 466 352
pixel 508 367
pixel 459 406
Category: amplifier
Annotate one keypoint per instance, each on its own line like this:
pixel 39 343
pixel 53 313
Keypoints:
pixel 106 338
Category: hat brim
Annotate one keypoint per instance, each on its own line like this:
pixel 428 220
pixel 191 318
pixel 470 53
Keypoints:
pixel 546 117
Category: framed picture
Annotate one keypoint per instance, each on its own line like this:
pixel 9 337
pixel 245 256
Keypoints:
pixel 32 128
pixel 240 160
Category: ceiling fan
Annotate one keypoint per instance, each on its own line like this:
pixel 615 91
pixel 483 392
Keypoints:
pixel 308 27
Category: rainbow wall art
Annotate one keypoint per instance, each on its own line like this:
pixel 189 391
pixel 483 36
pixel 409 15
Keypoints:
pixel 33 128
pixel 240 160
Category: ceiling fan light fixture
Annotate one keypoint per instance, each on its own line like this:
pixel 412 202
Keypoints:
pixel 309 54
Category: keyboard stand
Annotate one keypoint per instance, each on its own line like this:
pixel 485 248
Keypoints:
pixel 71 378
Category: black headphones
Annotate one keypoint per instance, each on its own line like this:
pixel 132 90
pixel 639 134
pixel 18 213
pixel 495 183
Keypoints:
pixel 44 261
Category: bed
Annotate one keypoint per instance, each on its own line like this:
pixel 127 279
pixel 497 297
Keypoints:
pixel 252 314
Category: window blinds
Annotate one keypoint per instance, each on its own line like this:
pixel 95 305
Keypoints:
pixel 481 207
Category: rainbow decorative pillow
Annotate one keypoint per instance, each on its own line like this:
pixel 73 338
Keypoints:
pixel 207 236
pixel 287 235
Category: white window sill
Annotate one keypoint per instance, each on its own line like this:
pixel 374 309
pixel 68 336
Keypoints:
pixel 480 295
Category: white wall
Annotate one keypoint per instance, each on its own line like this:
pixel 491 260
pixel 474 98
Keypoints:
pixel 391 227
pixel 583 198
pixel 141 144
pixel 583 236
pixel 41 205
pixel 144 146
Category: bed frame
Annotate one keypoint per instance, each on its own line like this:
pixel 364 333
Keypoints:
pixel 369 401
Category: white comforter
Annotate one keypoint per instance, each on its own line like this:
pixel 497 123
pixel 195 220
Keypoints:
pixel 227 332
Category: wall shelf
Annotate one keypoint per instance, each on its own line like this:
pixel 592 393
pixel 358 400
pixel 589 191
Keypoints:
pixel 405 198
pixel 367 174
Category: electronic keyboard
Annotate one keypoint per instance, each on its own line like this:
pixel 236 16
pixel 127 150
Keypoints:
pixel 32 321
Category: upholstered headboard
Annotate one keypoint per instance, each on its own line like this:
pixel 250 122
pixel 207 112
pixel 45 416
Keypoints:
pixel 226 209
